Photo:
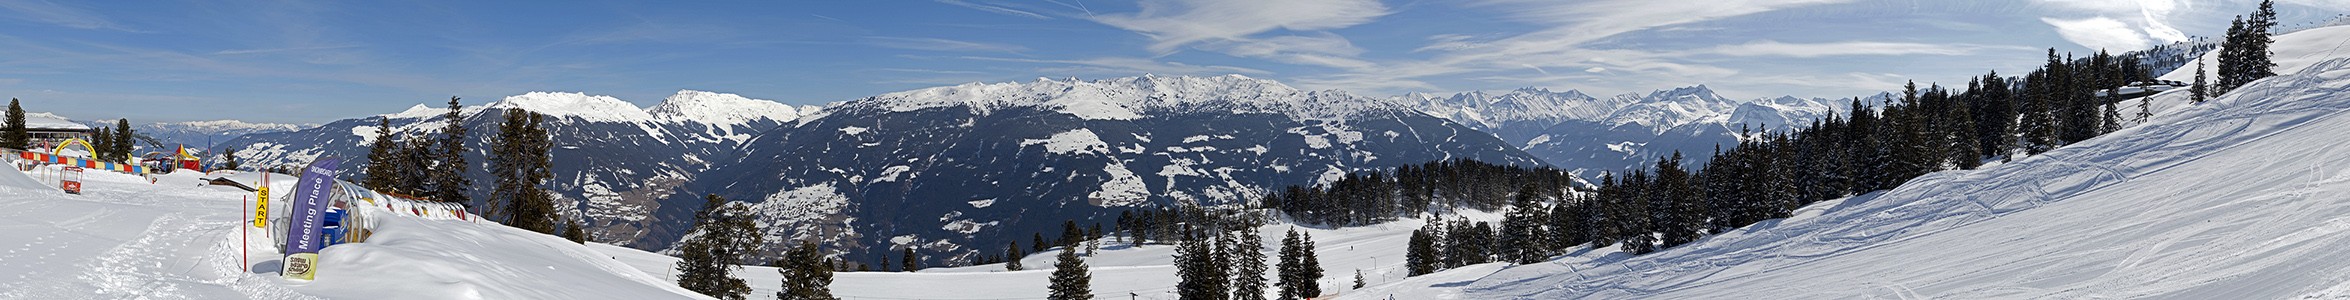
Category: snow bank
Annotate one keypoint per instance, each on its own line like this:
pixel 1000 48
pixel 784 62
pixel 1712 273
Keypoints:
pixel 410 258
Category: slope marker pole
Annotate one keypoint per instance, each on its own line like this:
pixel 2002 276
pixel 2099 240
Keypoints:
pixel 243 233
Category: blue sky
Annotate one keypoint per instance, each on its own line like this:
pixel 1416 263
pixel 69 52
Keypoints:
pixel 302 62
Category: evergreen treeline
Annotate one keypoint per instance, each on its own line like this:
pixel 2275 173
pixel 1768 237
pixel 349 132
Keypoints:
pixel 1376 197
pixel 113 144
pixel 429 168
pixel 2244 55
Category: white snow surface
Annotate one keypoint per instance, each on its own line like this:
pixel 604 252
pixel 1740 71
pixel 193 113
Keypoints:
pixel 1131 98
pixel 417 112
pixel 51 121
pixel 174 238
pixel 595 108
pixel 1119 271
pixel 1075 141
pixel 2242 197
pixel 720 109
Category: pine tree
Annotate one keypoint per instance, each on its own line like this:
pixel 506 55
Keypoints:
pixel 724 237
pixel 1012 257
pixel 519 164
pixel 908 262
pixel 13 134
pixel 448 176
pixel 2200 90
pixel 124 142
pixel 1359 279
pixel 1198 276
pixel 1309 267
pixel 1070 281
pixel 101 143
pixel 1248 266
pixel 1521 227
pixel 1420 254
pixel 2244 54
pixel 572 231
pixel 383 173
pixel 806 275
pixel 231 163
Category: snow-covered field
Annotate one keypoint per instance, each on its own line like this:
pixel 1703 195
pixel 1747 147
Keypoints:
pixel 1119 272
pixel 127 238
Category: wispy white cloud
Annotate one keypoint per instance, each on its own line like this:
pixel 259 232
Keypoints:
pixel 938 44
pixel 1564 41
pixel 1175 23
pixel 1323 49
pixel 1776 48
pixel 2099 33
pixel 996 9
pixel 1123 66
pixel 50 12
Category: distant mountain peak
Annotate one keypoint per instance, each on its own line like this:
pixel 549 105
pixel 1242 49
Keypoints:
pixel 598 108
pixel 719 108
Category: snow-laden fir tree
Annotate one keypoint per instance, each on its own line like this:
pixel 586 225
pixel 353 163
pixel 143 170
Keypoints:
pixel 1070 280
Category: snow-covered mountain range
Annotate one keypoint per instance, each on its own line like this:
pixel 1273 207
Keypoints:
pixel 954 171
pixel 612 162
pixel 1580 133
pixel 202 134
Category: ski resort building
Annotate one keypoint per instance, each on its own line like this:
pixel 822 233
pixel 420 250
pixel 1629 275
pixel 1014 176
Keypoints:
pixel 50 129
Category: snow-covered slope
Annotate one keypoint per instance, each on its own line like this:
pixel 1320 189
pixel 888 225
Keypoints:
pixel 2239 198
pixel 957 170
pixel 612 163
pixel 174 238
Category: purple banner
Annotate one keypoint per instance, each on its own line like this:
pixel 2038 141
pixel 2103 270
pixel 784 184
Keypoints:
pixel 309 206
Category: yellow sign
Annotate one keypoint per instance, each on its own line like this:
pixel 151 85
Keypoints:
pixel 261 209
pixel 302 266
